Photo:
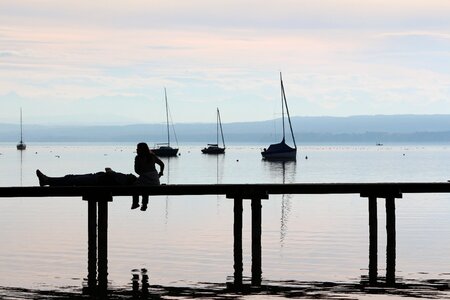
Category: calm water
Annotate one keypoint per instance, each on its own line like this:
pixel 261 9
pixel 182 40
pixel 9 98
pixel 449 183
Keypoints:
pixel 185 240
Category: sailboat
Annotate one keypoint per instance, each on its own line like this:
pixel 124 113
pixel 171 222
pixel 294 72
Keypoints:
pixel 214 148
pixel 21 145
pixel 164 149
pixel 282 151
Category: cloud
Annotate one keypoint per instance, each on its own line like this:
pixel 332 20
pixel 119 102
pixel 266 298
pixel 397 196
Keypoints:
pixel 339 57
pixel 249 14
pixel 415 41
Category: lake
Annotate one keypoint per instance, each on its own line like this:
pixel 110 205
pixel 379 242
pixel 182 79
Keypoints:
pixel 187 241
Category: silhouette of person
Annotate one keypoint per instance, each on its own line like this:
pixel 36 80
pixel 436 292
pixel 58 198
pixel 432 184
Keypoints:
pixel 144 166
pixel 109 177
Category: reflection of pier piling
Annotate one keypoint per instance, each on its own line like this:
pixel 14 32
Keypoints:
pixel 99 197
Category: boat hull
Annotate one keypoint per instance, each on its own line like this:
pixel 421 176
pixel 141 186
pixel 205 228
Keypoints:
pixel 285 155
pixel 213 150
pixel 280 151
pixel 21 146
pixel 165 151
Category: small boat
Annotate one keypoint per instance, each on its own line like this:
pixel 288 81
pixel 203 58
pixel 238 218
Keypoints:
pixel 164 149
pixel 214 148
pixel 21 145
pixel 282 151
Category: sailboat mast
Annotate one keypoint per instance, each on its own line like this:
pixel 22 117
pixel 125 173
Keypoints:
pixel 221 131
pixel 21 139
pixel 167 118
pixel 282 105
pixel 289 117
pixel 217 128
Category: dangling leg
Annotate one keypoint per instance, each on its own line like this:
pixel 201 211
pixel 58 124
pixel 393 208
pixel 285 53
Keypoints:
pixel 135 203
pixel 144 202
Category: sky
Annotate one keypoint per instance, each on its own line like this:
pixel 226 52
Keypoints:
pixel 108 61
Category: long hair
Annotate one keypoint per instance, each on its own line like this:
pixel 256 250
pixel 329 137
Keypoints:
pixel 144 150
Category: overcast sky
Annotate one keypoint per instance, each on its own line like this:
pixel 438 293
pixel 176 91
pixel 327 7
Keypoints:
pixel 109 61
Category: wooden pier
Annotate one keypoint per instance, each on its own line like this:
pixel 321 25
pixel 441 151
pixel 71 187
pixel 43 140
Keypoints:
pixel 98 199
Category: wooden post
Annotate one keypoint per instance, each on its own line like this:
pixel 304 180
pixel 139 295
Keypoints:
pixel 237 250
pixel 373 240
pixel 103 243
pixel 390 245
pixel 256 242
pixel 92 243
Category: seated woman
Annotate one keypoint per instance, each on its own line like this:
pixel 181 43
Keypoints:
pixel 145 166
pixel 109 177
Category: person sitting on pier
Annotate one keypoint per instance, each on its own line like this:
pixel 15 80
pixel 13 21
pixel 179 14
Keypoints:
pixel 109 177
pixel 144 166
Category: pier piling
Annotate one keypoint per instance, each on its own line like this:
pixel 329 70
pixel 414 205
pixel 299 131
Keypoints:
pixel 256 242
pixel 237 247
pixel 103 243
pixel 391 244
pixel 373 241
pixel 390 197
pixel 98 241
pixel 256 207
pixel 92 243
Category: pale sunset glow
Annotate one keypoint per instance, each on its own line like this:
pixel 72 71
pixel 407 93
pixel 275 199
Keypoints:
pixel 109 61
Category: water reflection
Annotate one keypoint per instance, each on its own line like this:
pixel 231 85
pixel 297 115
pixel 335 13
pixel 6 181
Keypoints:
pixel 285 212
pixel 286 170
pixel 415 289
pixel 219 168
pixel 167 169
pixel 166 212
pixel 140 284
pixel 283 171
pixel 21 168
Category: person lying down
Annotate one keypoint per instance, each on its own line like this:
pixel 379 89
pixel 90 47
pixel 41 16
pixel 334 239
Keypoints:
pixel 108 177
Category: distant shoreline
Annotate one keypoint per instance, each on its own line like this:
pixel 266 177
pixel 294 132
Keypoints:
pixel 385 129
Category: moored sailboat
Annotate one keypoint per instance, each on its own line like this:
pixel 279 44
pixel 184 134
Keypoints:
pixel 164 149
pixel 214 148
pixel 282 151
pixel 21 145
